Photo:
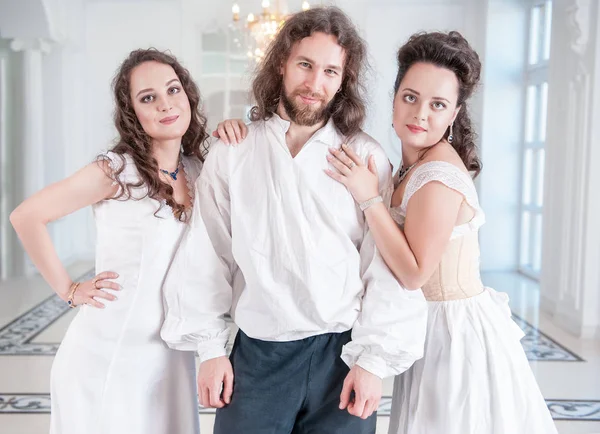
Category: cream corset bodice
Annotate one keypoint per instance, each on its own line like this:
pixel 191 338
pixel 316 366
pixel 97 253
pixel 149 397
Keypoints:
pixel 457 275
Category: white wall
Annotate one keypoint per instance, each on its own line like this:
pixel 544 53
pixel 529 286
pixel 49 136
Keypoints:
pixel 113 29
pixel 496 109
pixel 134 26
pixel 501 133
pixel 386 25
pixel 96 35
pixel 570 264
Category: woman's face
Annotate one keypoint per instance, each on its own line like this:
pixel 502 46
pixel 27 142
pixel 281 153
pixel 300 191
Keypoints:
pixel 425 105
pixel 159 100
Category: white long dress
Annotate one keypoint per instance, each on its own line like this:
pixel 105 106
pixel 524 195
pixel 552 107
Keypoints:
pixel 112 373
pixel 474 377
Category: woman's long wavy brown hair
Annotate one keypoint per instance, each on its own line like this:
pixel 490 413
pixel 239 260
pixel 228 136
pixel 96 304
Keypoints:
pixel 134 141
pixel 348 106
pixel 449 51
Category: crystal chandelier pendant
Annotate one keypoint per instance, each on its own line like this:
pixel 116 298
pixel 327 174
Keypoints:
pixel 262 28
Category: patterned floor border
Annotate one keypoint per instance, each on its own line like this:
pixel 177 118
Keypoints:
pixel 541 347
pixel 561 409
pixel 16 338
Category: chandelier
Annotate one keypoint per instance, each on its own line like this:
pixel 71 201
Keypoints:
pixel 260 29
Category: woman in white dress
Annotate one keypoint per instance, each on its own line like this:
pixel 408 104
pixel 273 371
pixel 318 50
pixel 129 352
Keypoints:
pixel 474 377
pixel 113 373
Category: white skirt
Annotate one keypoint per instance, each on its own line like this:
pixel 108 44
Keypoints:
pixel 474 377
pixel 131 385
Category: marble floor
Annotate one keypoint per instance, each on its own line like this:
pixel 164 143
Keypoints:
pixel 33 321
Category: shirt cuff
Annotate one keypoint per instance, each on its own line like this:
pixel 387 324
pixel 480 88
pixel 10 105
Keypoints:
pixel 353 354
pixel 210 353
pixel 374 364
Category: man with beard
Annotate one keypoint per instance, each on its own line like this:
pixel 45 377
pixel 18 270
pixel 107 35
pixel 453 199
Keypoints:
pixel 322 319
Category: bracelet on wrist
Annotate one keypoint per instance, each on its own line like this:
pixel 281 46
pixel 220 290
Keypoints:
pixel 367 203
pixel 72 290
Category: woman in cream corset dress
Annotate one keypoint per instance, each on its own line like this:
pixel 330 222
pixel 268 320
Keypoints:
pixel 474 377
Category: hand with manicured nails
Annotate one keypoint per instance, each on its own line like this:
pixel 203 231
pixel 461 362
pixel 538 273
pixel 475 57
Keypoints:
pixel 231 131
pixel 86 291
pixel 361 180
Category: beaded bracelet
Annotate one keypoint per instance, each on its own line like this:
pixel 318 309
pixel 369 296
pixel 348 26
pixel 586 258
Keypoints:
pixel 367 203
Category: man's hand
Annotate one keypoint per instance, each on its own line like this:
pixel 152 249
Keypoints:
pixel 213 374
pixel 367 392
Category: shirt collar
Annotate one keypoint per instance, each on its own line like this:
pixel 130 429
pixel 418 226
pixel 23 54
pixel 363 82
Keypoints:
pixel 327 134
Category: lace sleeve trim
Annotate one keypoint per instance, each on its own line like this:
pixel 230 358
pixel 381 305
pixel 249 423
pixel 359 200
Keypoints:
pixel 446 173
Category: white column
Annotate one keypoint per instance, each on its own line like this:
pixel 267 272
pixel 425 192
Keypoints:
pixel 33 112
pixel 571 248
pixel 4 191
pixel 30 161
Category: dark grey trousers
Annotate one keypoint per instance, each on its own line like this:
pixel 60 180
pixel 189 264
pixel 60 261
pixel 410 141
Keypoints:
pixel 289 388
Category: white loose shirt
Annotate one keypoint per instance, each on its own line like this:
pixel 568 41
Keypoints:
pixel 296 255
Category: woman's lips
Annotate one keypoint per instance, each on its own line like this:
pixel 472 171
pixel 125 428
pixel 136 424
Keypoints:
pixel 169 120
pixel 415 128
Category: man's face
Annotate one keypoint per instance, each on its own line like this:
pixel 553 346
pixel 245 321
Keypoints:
pixel 312 76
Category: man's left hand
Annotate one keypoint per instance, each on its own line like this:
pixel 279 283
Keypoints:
pixel 367 389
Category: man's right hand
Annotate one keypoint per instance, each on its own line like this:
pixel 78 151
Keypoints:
pixel 231 131
pixel 213 374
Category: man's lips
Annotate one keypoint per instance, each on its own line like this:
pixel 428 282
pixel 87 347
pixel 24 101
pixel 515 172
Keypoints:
pixel 309 100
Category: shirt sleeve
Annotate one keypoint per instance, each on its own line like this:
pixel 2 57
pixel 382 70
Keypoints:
pixel 389 335
pixel 197 289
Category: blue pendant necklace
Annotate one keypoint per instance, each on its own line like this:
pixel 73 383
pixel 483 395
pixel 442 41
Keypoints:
pixel 173 175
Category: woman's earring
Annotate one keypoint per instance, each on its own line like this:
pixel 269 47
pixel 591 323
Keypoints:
pixel 450 136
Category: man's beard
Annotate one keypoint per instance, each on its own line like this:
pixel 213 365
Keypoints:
pixel 305 115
